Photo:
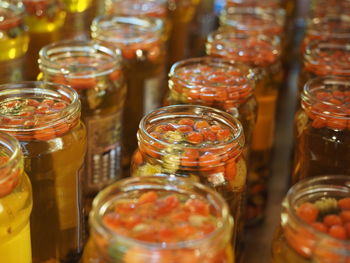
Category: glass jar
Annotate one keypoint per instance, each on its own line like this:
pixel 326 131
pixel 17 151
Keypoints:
pixel 14 41
pixel 190 223
pixel 15 202
pixel 139 42
pixel 322 132
pixel 44 117
pixel 330 28
pixel 325 58
pixel 266 21
pixel 313 222
pixel 321 8
pixel 253 3
pixel 261 53
pixel 94 72
pixel 148 8
pixel 76 6
pixel 218 83
pixel 181 14
pixel 44 19
pixel 199 143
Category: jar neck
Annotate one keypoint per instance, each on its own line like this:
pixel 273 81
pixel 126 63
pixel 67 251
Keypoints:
pixel 11 164
pixel 54 110
pixel 111 245
pixel 253 3
pixel 255 51
pixel 152 146
pixel 224 83
pixel 323 58
pixel 329 27
pixel 78 63
pixel 315 244
pixel 42 8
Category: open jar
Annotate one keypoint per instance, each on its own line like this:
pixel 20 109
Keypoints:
pixel 262 54
pixel 44 19
pixel 140 43
pixel 217 83
pixel 315 224
pixel 94 72
pixel 45 118
pixel 14 41
pixel 16 203
pixel 322 129
pixel 199 143
pixel 159 219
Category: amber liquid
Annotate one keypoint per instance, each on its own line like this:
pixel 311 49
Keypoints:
pixel 320 151
pixel 57 217
pixel 146 86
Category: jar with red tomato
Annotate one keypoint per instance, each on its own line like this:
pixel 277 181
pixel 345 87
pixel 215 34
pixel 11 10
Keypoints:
pixel 44 19
pixel 199 143
pixel 94 72
pixel 45 119
pixel 140 43
pixel 16 203
pixel 14 41
pixel 159 219
pixel 321 8
pixel 315 222
pixel 217 83
pixel 322 129
pixel 325 57
pixel 262 54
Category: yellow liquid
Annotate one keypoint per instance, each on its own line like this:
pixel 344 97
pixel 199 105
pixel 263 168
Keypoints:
pixel 76 6
pixel 11 48
pixel 45 25
pixel 14 228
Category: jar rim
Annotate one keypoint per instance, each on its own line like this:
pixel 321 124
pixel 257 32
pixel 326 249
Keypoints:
pixel 36 88
pixel 309 187
pixel 308 96
pixel 196 111
pixel 317 25
pixel 49 54
pixel 212 61
pixel 231 15
pixel 13 145
pixel 103 24
pixel 158 182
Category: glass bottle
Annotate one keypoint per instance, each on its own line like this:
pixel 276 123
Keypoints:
pixel 261 53
pixel 16 203
pixel 199 143
pixel 322 130
pixel 181 14
pixel 45 118
pixel 314 221
pixel 324 58
pixel 44 19
pixel 94 72
pixel 218 83
pixel 140 43
pixel 176 204
pixel 14 41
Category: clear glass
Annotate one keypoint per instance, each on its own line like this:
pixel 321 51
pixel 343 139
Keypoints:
pixel 45 118
pixel 263 54
pixel 150 8
pixel 256 20
pixel 140 43
pixel 44 19
pixel 94 72
pixel 14 41
pixel 325 58
pixel 217 83
pixel 76 6
pixel 322 132
pixel 299 241
pixel 220 165
pixel 321 8
pixel 105 245
pixel 253 3
pixel 16 202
